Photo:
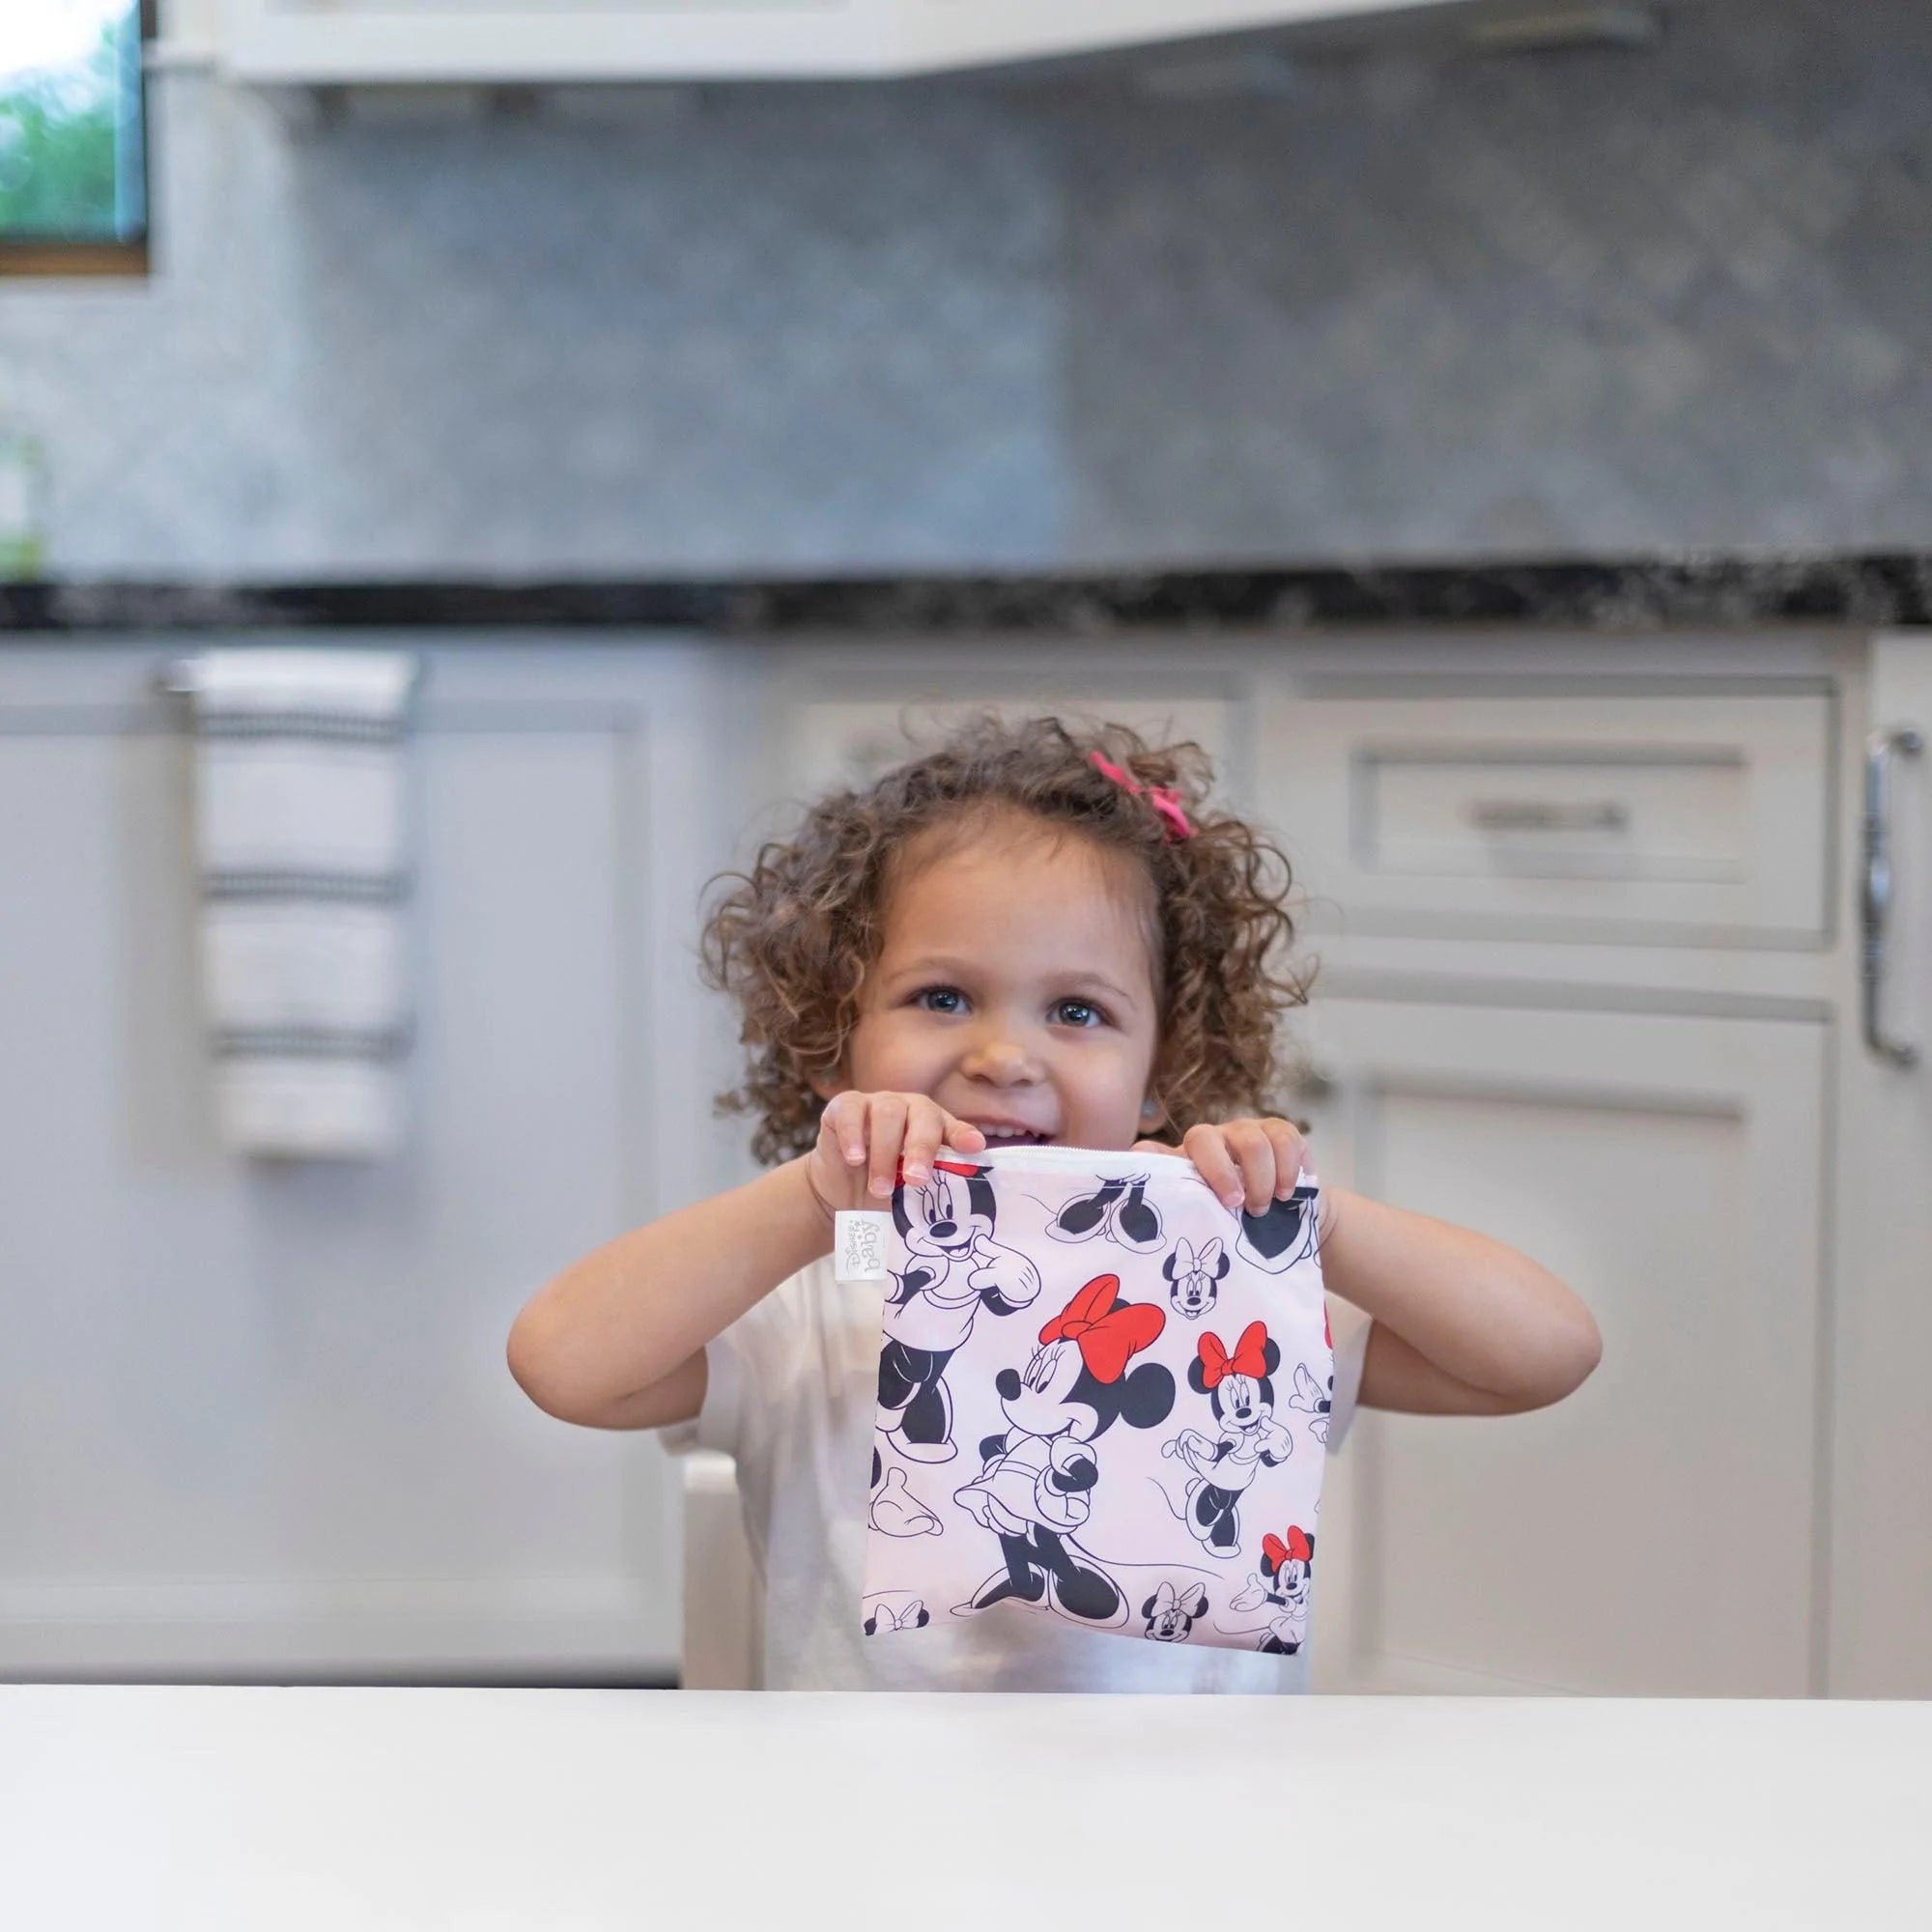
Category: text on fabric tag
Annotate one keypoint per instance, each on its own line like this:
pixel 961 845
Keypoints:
pixel 859 1243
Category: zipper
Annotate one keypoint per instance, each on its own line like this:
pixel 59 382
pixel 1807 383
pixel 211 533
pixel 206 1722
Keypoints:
pixel 1106 1162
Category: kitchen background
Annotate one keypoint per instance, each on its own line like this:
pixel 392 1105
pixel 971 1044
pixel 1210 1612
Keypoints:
pixel 1361 292
pixel 1512 466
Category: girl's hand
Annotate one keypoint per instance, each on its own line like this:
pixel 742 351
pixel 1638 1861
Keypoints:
pixel 863 1138
pixel 1247 1164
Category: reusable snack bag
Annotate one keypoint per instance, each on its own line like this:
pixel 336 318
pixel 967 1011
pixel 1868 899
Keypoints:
pixel 1103 1397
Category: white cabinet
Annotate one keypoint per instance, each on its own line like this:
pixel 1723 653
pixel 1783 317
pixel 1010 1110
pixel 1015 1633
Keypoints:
pixel 1654 1534
pixel 1583 956
pixel 1880 1462
pixel 255 1417
pixel 343 41
pixel 256 1420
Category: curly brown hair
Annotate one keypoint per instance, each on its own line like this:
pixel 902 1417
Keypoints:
pixel 793 942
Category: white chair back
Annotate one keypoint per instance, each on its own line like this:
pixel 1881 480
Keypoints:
pixel 724 1623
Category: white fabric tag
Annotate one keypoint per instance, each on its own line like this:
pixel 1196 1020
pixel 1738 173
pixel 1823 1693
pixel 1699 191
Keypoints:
pixel 860 1236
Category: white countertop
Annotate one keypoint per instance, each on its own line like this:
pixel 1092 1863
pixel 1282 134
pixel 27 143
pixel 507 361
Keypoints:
pixel 279 1808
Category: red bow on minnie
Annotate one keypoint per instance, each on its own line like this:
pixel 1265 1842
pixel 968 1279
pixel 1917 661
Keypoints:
pixel 1108 1336
pixel 1297 1546
pixel 1250 1356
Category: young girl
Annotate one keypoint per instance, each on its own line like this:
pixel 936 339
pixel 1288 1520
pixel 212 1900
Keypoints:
pixel 1024 935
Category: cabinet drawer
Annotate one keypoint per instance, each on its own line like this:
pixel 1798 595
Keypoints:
pixel 1697 817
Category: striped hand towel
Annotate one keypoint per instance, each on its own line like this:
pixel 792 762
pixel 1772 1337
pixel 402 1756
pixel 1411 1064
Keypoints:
pixel 301 840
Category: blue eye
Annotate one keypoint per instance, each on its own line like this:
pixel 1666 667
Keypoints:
pixel 1085 1007
pixel 926 993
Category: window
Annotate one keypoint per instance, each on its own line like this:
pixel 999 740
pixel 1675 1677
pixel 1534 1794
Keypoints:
pixel 74 173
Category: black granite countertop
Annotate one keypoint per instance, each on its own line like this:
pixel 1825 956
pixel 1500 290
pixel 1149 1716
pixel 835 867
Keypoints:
pixel 1653 593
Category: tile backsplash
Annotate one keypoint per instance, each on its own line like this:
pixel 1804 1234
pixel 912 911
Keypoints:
pixel 1397 300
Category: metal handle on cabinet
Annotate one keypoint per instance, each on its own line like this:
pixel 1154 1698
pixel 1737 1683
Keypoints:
pixel 1536 814
pixel 1875 899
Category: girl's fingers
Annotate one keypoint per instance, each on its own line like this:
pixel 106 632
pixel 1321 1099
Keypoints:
pixel 925 1129
pixel 929 1129
pixel 888 1112
pixel 1206 1147
pixel 1255 1153
pixel 881 1131
pixel 844 1117
pixel 1288 1152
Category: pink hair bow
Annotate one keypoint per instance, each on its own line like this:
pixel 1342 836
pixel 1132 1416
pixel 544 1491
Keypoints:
pixel 1163 798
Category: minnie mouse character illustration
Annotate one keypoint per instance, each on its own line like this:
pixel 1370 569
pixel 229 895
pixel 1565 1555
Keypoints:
pixel 1170 1615
pixel 1315 1400
pixel 1311 1400
pixel 1117 1209
pixel 954 1269
pixel 1194 1276
pixel 1281 1585
pixel 1036 1486
pixel 1283 1234
pixel 1248 1439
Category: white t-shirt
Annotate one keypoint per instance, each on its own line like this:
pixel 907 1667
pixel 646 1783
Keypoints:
pixel 791 1394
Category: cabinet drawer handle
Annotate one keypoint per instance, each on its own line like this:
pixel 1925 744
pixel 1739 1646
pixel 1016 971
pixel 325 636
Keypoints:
pixel 1875 899
pixel 1542 814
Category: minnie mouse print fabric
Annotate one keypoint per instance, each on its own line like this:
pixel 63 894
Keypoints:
pixel 1103 1397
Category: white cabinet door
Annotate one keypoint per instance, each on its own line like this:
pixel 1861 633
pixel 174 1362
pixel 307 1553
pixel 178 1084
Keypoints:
pixel 255 1418
pixel 310 40
pixel 1658 1532
pixel 1881 1506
